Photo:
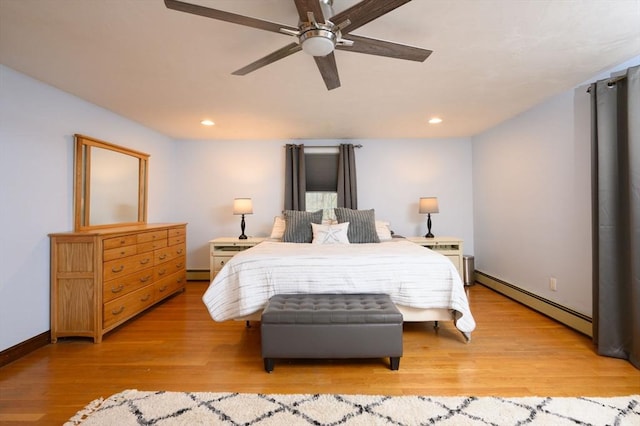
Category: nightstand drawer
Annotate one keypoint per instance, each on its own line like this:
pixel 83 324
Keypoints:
pixel 451 247
pixel 219 261
pixel 221 250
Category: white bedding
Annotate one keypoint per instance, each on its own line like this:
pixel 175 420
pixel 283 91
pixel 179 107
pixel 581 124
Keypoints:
pixel 412 275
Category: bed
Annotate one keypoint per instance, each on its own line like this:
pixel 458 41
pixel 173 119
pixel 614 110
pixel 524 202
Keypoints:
pixel 424 284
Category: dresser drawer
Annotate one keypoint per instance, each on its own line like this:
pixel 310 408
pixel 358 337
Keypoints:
pixel 122 241
pixel 168 253
pixel 151 245
pixel 170 267
pixel 146 237
pixel 177 232
pixel 127 306
pixel 128 265
pixel 119 252
pixel 178 239
pixel 169 285
pixel 121 286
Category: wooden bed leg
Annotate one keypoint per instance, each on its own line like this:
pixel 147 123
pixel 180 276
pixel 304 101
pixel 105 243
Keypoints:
pixel 247 324
pixel 268 365
pixel 435 325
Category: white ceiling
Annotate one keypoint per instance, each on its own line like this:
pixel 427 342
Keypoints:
pixel 169 70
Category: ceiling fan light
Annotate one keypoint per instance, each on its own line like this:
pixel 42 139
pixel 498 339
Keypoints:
pixel 318 42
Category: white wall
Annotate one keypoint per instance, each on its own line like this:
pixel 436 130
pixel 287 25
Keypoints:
pixel 532 199
pixel 37 124
pixel 392 176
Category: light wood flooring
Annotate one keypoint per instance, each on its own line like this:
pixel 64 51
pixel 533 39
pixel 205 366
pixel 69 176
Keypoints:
pixel 176 346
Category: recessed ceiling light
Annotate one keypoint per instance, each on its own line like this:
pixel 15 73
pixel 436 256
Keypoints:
pixel 207 123
pixel 435 120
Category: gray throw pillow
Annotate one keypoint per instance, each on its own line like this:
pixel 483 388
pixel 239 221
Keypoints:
pixel 298 225
pixel 362 224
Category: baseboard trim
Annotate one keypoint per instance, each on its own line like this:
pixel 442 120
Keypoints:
pixel 198 275
pixel 566 316
pixel 21 349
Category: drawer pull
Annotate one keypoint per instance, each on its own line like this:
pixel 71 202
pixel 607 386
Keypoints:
pixel 118 289
pixel 163 288
pixel 222 262
pixel 162 272
pixel 114 270
pixel 179 251
pixel 145 279
pixel 118 312
pixel 162 256
pixel 145 261
pixel 123 242
pixel 179 265
pixel 179 280
pixel 145 298
pixel 122 253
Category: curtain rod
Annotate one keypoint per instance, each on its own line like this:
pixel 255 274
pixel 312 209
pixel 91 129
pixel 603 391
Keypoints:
pixel 610 82
pixel 324 146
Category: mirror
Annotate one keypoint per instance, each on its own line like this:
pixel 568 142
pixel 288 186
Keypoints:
pixel 110 185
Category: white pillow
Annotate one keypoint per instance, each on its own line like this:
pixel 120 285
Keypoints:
pixel 277 231
pixel 383 230
pixel 330 234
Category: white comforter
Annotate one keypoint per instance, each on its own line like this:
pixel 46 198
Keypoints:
pixel 412 275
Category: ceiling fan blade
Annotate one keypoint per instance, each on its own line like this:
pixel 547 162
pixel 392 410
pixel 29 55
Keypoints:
pixel 221 15
pixel 328 70
pixel 287 50
pixel 365 12
pixel 305 6
pixel 371 46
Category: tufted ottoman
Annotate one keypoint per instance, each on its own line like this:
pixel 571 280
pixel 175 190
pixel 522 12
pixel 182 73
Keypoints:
pixel 331 326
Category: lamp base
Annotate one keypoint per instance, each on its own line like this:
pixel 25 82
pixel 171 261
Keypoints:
pixel 242 224
pixel 429 234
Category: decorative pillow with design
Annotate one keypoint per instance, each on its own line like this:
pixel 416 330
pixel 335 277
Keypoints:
pixel 383 230
pixel 330 234
pixel 298 225
pixel 362 224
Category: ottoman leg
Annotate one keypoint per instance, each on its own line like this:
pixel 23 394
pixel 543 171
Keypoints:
pixel 394 362
pixel 268 365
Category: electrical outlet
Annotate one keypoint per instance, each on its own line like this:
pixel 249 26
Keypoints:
pixel 553 284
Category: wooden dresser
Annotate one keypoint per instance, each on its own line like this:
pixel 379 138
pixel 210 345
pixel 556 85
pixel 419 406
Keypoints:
pixel 101 278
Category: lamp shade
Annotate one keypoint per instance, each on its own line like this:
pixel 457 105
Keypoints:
pixel 242 206
pixel 428 205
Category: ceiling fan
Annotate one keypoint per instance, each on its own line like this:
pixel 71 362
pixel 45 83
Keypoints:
pixel 319 33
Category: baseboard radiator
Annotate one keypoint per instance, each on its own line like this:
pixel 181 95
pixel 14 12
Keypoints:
pixel 562 314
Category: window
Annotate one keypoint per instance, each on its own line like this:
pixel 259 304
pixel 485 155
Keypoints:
pixel 321 172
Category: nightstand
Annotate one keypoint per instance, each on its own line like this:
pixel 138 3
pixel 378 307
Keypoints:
pixel 223 249
pixel 449 246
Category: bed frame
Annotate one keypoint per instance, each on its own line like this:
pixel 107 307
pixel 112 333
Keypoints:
pixel 409 314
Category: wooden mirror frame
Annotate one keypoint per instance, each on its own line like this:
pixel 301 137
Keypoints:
pixel 82 182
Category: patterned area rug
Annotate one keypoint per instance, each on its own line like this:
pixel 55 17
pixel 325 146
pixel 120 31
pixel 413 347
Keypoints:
pixel 133 407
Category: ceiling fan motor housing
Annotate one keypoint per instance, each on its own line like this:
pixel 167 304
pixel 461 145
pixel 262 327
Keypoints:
pixel 318 40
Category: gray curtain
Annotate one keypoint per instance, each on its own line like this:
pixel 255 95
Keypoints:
pixel 615 135
pixel 295 185
pixel 347 184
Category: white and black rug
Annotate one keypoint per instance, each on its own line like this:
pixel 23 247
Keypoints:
pixel 133 407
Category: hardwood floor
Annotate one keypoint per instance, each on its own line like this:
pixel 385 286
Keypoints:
pixel 176 346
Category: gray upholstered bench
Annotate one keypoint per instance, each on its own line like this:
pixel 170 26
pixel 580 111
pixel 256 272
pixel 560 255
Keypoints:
pixel 331 326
